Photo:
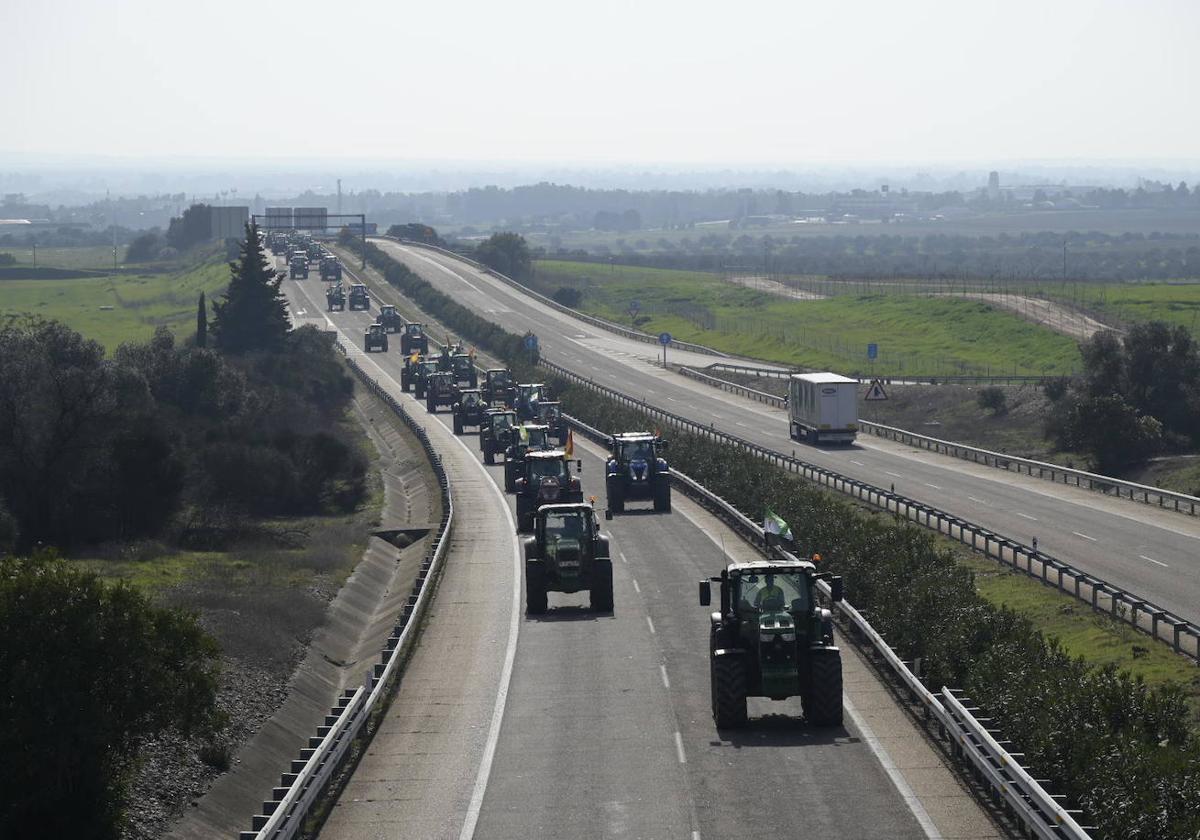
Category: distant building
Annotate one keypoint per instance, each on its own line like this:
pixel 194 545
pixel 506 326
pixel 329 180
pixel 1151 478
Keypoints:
pixel 993 188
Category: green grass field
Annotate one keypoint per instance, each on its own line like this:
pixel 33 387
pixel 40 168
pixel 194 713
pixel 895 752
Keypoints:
pixel 98 256
pixel 915 334
pixel 139 303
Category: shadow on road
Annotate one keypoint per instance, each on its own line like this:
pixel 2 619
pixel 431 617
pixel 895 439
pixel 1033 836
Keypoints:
pixel 777 730
pixel 570 613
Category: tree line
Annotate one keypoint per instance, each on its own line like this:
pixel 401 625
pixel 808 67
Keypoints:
pixel 1031 255
pixel 188 442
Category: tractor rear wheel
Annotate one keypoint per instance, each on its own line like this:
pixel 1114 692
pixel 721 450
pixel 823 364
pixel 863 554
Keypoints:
pixel 823 699
pixel 535 589
pixel 601 594
pixel 431 406
pixel 510 479
pixel 616 502
pixel 728 692
pixel 662 498
pixel 458 424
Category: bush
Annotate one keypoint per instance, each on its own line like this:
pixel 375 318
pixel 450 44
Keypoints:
pixel 993 399
pixel 568 296
pixel 88 671
pixel 145 247
pixel 7 260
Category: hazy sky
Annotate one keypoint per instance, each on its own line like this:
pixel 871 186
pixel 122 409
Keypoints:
pixel 656 81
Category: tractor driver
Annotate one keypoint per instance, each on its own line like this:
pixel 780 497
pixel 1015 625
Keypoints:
pixel 770 597
pixel 640 451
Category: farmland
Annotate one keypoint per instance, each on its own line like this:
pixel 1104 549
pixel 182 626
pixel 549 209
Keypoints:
pixel 915 334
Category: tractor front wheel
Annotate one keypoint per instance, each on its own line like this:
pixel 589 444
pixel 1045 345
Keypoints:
pixel 616 502
pixel 601 594
pixel 535 589
pixel 823 699
pixel 662 498
pixel 728 692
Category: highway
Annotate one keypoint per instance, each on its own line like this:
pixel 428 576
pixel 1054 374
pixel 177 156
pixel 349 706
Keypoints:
pixel 1150 552
pixel 578 724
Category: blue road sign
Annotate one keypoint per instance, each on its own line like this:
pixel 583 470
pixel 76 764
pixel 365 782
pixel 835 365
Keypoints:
pixel 531 342
pixel 664 338
pixel 872 351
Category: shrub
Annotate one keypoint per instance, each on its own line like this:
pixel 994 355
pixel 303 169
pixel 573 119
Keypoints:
pixel 993 399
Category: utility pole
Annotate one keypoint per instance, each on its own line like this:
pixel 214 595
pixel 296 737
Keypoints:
pixel 339 200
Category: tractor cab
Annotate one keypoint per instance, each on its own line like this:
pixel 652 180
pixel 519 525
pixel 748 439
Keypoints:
pixel 440 390
pixel 528 395
pixel 469 409
pixel 567 553
pixel 414 339
pixel 390 318
pixel 528 437
pixel 549 412
pixel 636 470
pixel 359 298
pixel 772 639
pixel 545 478
pixel 498 386
pixel 420 374
pixel 495 432
pixel 463 368
pixel 375 338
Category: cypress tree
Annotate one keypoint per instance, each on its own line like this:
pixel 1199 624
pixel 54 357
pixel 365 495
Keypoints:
pixel 201 323
pixel 253 314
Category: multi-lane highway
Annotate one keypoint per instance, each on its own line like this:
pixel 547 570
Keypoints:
pixel 578 724
pixel 1150 552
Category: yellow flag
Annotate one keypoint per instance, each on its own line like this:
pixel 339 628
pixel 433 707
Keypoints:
pixel 570 446
pixel 413 358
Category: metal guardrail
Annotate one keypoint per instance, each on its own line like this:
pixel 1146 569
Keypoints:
pixel 636 335
pixel 1159 623
pixel 1109 486
pixel 1024 798
pixel 284 814
pixel 1057 473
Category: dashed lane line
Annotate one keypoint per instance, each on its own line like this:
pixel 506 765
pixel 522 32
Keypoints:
pixel 1156 562
pixel 1085 536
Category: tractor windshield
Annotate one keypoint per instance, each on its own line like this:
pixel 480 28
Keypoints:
pixel 414 330
pixel 534 438
pixel 641 450
pixel 773 592
pixel 500 422
pixel 564 527
pixel 501 378
pixel 547 468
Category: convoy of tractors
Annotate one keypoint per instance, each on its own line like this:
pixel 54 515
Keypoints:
pixel 770 637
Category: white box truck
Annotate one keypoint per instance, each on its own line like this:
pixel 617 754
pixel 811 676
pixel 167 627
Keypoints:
pixel 823 408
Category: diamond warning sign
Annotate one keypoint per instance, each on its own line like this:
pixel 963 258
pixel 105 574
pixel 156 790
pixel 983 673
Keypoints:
pixel 876 392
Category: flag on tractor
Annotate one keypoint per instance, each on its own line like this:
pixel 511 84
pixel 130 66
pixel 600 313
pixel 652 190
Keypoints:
pixel 414 357
pixel 524 434
pixel 569 447
pixel 773 524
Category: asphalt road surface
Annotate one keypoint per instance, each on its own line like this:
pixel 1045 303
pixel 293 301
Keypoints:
pixel 1149 552
pixel 602 728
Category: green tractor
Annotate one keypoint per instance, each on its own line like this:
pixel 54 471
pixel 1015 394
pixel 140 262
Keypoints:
pixel 526 438
pixel 772 639
pixel 359 297
pixel 335 298
pixel 390 318
pixel 498 386
pixel 637 470
pixel 414 340
pixel 375 338
pixel 462 365
pixel 567 553
pixel 298 267
pixel 440 390
pixel 469 409
pixel 419 375
pixel 545 479
pixel 495 432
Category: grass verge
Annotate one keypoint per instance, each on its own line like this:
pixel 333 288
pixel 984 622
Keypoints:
pixel 915 334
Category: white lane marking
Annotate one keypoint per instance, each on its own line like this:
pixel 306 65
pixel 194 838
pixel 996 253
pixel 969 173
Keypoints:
pixel 934 486
pixel 1152 560
pixel 893 772
pixel 438 265
pixel 695 835
pixel 648 391
pixel 672 399
pixel 1027 516
pixel 679 748
pixel 621 554
pixel 662 669
pixel 740 423
pixel 1085 536
pixel 593 367
pixel 859 463
pixel 977 501
pixel 897 475
pixel 650 622
pixel 636 588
